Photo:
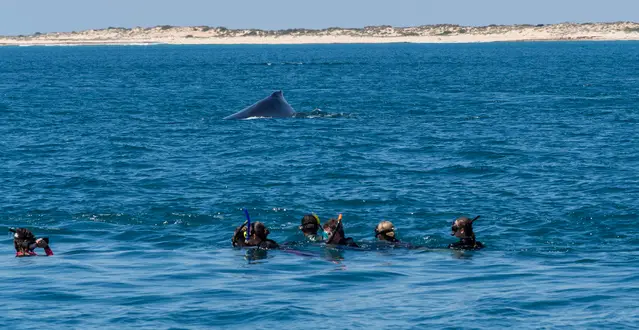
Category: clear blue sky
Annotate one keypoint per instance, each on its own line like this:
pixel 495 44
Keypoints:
pixel 29 16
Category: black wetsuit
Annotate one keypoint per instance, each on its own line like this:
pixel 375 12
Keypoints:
pixel 266 244
pixel 258 240
pixel 347 242
pixel 389 239
pixel 337 238
pixel 466 244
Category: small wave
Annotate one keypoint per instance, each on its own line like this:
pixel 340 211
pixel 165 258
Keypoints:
pixel 336 63
pixel 304 63
pixel 276 63
pixel 318 113
pixel 257 117
pixel 617 120
pixel 475 117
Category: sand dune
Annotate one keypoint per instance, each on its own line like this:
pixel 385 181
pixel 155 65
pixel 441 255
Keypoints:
pixel 373 34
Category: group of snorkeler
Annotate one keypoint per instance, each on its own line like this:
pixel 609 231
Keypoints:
pixel 255 234
pixel 332 233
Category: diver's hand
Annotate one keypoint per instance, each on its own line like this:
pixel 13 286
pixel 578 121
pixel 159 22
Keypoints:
pixel 41 243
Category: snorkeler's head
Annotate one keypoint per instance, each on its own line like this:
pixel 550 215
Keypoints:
pixel 335 231
pixel 463 228
pixel 259 230
pixel 310 224
pixel 22 238
pixel 239 235
pixel 385 231
pixel 332 226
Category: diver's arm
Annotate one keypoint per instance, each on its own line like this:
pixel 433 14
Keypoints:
pixel 268 244
pixel 41 243
pixel 38 243
pixel 239 243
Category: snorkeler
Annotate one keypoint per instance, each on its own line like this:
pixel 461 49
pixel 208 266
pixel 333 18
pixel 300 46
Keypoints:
pixel 25 243
pixel 335 231
pixel 310 225
pixel 253 235
pixel 463 229
pixel 385 231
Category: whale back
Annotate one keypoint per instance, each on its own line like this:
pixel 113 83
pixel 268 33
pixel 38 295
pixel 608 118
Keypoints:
pixel 273 106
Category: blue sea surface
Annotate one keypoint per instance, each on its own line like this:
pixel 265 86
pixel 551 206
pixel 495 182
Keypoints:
pixel 120 155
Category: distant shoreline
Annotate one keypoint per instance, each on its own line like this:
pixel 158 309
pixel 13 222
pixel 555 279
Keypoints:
pixel 443 33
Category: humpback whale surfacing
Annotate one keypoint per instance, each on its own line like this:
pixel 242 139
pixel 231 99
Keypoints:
pixel 274 106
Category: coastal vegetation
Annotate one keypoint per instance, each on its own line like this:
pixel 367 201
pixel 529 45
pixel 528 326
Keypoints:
pixel 380 33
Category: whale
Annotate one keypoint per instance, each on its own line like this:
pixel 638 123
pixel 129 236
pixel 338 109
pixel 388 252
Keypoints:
pixel 274 106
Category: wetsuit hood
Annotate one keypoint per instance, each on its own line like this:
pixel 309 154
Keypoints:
pixel 310 224
pixel 23 238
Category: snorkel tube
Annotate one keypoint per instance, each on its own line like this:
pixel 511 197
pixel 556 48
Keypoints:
pixel 248 224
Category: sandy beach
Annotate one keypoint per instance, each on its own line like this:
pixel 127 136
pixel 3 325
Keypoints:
pixel 374 34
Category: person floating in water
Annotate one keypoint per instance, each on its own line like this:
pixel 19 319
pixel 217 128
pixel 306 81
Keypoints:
pixel 463 229
pixel 385 231
pixel 25 243
pixel 335 231
pixel 310 226
pixel 253 235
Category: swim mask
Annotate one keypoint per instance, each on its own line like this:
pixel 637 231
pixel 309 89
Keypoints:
pixel 324 235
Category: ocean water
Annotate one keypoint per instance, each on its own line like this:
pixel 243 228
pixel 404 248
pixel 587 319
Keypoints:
pixel 120 155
